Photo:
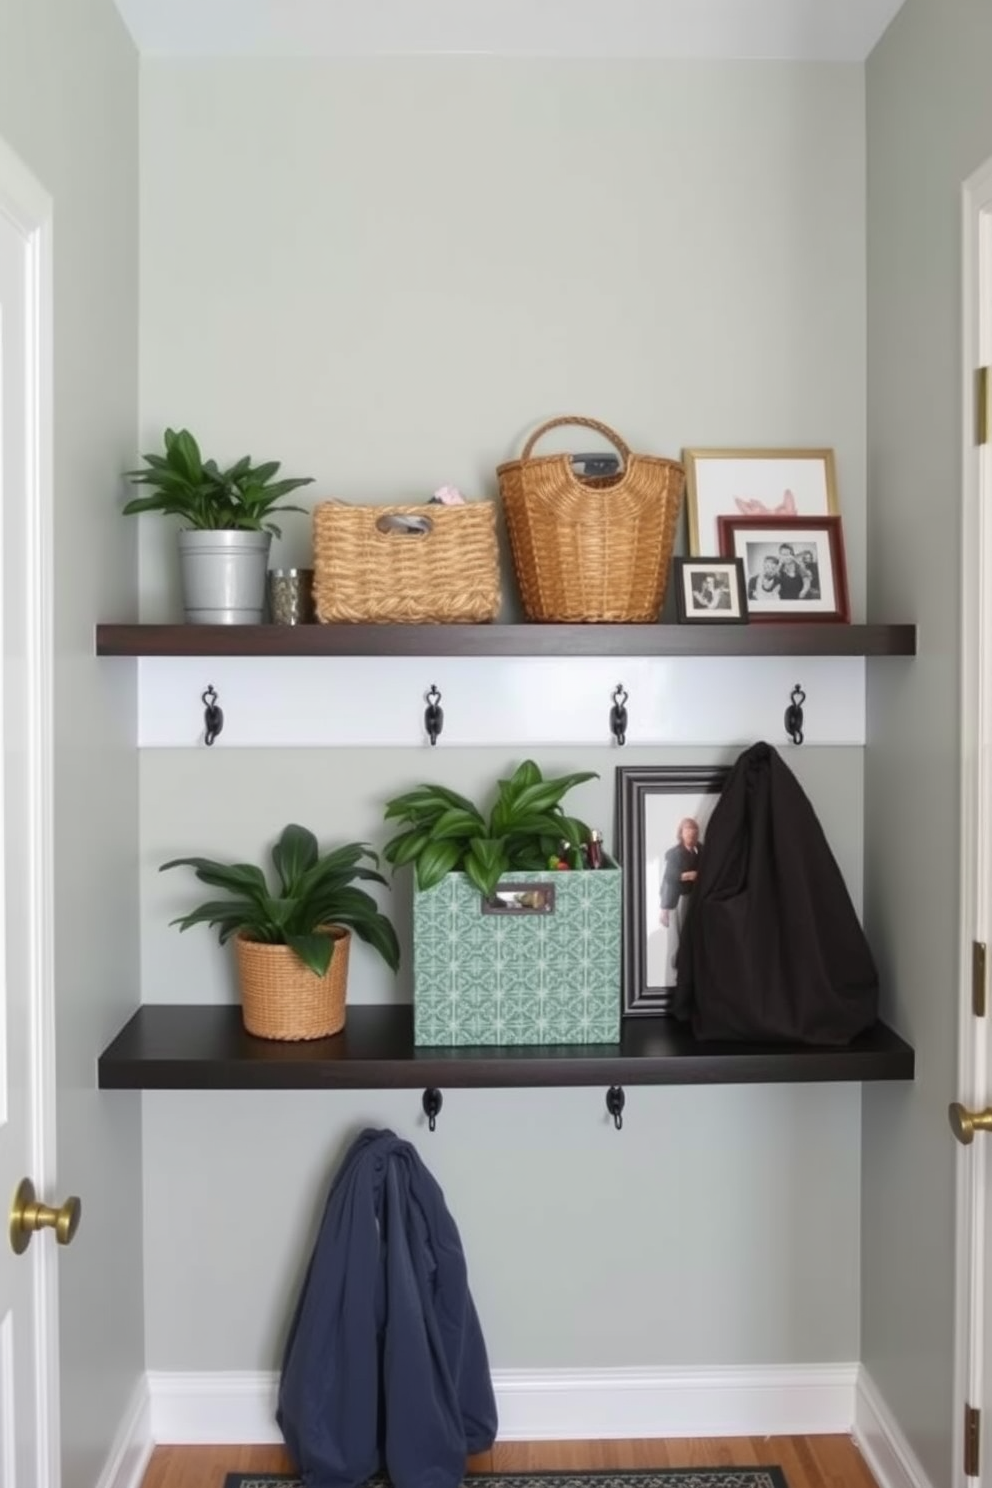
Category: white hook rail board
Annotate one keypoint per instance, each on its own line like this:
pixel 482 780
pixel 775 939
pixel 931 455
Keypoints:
pixel 327 702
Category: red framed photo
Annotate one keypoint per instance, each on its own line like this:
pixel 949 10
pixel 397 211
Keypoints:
pixel 794 569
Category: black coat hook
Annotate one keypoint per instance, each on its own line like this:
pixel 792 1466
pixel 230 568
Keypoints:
pixel 618 715
pixel 794 715
pixel 432 1102
pixel 433 716
pixel 615 1099
pixel 213 716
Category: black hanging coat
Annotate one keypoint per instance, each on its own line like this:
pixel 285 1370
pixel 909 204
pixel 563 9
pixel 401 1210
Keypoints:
pixel 772 948
pixel 385 1364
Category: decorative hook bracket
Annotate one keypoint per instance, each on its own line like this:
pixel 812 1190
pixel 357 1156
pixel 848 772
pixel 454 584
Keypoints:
pixel 213 716
pixel 432 1102
pixel 618 715
pixel 433 717
pixel 615 1100
pixel 794 715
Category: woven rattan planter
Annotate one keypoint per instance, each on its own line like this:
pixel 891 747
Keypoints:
pixel 282 999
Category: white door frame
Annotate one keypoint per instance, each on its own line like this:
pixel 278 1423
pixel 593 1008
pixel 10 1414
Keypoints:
pixel 28 206
pixel 976 807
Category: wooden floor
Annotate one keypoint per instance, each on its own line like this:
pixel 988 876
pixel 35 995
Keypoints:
pixel 808 1461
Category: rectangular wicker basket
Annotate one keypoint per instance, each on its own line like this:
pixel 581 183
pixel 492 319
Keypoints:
pixel 406 564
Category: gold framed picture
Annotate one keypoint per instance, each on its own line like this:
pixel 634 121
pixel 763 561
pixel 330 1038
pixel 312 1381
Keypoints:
pixel 776 484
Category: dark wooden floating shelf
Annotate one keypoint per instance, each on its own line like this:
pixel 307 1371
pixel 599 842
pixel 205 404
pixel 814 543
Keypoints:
pixel 177 1047
pixel 808 639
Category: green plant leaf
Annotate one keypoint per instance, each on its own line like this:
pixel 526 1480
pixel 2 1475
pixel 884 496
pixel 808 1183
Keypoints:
pixel 531 853
pixel 334 883
pixel 405 847
pixel 294 853
pixel 343 861
pixel 235 472
pixel 525 774
pixel 260 474
pixel 377 931
pixel 185 453
pixel 549 823
pixel 486 862
pixel 547 793
pixel 243 878
pixel 427 804
pixel 238 912
pixel 157 462
pixel 435 860
pixel 452 798
pixel 456 822
pixel 326 906
pixel 417 807
pixel 283 488
pixel 279 911
pixel 315 951
pixel 163 504
pixel 574 830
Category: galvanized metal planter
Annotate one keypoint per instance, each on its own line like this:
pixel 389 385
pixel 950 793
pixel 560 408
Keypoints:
pixel 223 576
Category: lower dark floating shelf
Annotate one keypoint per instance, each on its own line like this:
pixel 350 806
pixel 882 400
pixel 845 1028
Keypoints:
pixel 178 1047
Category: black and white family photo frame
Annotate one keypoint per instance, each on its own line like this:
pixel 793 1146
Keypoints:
pixel 710 591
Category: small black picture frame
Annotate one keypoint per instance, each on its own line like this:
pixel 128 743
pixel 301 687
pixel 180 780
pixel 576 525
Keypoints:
pixel 710 591
pixel 654 806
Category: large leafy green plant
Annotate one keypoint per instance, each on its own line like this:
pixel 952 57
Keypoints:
pixel 206 497
pixel 314 891
pixel 445 832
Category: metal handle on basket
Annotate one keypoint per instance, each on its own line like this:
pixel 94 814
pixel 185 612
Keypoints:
pixel 619 445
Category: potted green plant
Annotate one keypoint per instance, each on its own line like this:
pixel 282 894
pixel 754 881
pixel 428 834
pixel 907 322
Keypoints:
pixel 524 829
pixel 292 942
pixel 516 923
pixel 224 543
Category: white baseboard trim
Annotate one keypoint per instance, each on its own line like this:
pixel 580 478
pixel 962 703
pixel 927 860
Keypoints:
pixel 133 1444
pixel 546 1405
pixel 881 1439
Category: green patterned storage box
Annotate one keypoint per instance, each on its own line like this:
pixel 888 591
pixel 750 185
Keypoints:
pixel 544 968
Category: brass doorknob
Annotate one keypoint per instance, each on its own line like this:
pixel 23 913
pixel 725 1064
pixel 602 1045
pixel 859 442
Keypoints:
pixel 964 1123
pixel 27 1215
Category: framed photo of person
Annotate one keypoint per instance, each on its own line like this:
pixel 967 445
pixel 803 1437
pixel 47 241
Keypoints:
pixel 793 570
pixel 662 816
pixel 778 483
pixel 710 591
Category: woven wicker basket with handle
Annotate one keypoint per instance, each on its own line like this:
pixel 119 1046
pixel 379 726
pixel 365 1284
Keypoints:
pixel 283 999
pixel 591 548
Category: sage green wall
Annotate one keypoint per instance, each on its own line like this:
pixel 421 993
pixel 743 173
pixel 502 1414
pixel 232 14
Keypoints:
pixel 444 251
pixel 69 107
pixel 407 264
pixel 719 1227
pixel 929 110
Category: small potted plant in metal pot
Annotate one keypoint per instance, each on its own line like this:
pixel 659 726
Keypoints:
pixel 227 532
pixel 292 941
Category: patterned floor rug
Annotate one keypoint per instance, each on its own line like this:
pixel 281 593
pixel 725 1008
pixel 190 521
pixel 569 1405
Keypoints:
pixel 694 1477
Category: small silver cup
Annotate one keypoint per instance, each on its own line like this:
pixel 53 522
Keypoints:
pixel 291 596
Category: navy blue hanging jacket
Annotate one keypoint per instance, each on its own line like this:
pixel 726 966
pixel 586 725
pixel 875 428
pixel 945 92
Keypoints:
pixel 385 1366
